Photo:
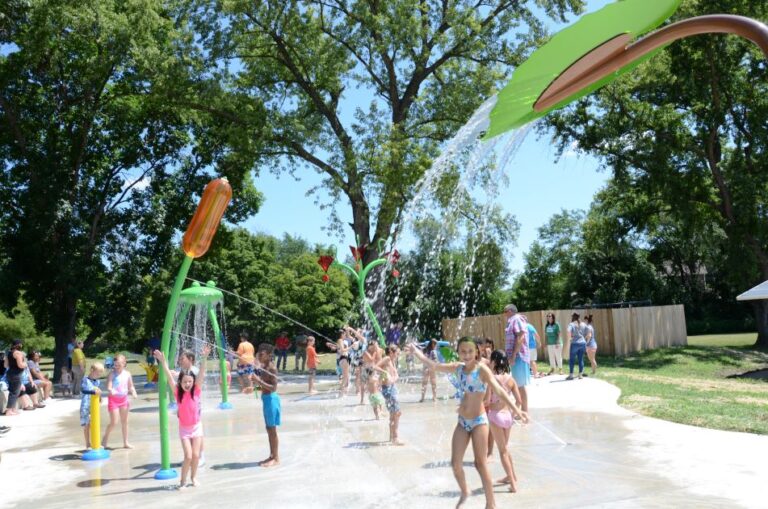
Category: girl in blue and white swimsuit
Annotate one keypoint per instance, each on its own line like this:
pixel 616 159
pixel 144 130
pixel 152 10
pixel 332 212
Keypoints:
pixel 474 379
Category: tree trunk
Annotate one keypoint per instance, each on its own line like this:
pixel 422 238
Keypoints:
pixel 64 321
pixel 760 308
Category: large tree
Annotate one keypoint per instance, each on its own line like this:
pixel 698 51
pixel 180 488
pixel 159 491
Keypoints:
pixel 688 131
pixel 364 91
pixel 100 170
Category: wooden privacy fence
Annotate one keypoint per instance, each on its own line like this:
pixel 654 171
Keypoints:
pixel 619 332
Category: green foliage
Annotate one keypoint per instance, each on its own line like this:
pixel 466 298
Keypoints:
pixel 20 324
pixel 586 260
pixel 101 167
pixel 281 274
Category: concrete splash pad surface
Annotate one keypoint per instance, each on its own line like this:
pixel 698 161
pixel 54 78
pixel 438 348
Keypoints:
pixel 581 451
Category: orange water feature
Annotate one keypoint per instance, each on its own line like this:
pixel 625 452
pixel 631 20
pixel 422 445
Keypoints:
pixel 202 228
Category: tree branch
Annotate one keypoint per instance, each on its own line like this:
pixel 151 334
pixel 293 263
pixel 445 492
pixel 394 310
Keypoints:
pixel 13 123
pixel 284 52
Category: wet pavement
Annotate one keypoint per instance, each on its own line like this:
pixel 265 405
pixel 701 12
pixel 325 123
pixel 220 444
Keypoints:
pixel 579 451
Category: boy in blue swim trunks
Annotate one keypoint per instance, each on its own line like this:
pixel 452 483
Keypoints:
pixel 266 377
pixel 388 369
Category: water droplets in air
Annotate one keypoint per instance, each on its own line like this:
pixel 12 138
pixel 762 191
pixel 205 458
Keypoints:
pixel 457 199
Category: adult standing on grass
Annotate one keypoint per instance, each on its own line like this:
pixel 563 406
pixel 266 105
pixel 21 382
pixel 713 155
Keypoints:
pixel 554 344
pixel 70 349
pixel 78 367
pixel 576 333
pixel 591 342
pixel 516 346
pixel 282 345
pixel 301 351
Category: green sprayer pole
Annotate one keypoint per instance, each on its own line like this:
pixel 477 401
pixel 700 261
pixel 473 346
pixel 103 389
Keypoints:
pixel 366 304
pixel 222 358
pixel 165 471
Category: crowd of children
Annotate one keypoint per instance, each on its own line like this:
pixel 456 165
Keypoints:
pixel 490 401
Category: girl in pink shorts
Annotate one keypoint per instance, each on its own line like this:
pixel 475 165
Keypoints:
pixel 119 386
pixel 189 390
pixel 500 417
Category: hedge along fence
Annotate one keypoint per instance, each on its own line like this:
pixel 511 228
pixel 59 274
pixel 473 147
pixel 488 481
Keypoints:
pixel 619 332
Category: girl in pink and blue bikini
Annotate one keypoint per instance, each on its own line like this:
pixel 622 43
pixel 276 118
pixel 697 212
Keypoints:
pixel 474 379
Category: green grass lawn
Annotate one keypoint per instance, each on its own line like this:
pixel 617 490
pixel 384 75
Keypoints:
pixel 747 339
pixel 697 384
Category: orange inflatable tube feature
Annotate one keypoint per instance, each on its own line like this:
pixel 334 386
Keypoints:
pixel 205 222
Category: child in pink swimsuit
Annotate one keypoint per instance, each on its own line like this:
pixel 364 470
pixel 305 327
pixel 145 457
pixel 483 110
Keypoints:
pixel 500 417
pixel 189 390
pixel 119 386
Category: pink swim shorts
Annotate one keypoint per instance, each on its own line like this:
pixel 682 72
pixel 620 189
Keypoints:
pixel 194 431
pixel 118 401
pixel 501 418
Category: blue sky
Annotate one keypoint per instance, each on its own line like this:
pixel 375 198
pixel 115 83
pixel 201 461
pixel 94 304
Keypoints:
pixel 542 188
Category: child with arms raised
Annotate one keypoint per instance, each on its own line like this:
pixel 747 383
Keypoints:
pixel 474 378
pixel 188 390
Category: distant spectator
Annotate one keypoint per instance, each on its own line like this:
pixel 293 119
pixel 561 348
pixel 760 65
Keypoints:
pixel 70 349
pixel 554 344
pixel 38 377
pixel 576 332
pixel 282 345
pixel 301 350
pixel 30 396
pixel 16 367
pixel 78 367
pixel 591 342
